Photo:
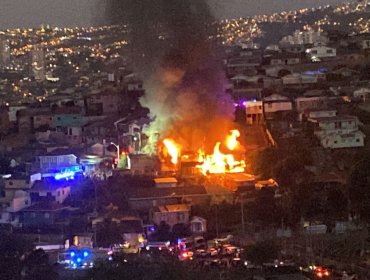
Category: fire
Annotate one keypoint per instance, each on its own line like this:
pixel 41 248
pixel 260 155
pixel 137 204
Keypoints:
pixel 231 141
pixel 172 149
pixel 219 163
pixel 216 163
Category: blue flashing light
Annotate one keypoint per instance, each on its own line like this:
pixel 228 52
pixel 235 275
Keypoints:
pixel 86 254
pixel 64 175
pixel 79 260
pixel 151 229
pixel 72 254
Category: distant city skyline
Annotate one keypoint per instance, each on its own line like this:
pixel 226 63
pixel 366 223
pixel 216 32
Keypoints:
pixel 32 13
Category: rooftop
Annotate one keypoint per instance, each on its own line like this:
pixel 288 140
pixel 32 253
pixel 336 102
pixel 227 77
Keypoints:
pixel 45 207
pixel 334 119
pixel 152 192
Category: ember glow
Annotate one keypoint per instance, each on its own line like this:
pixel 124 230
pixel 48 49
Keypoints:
pixel 215 163
pixel 172 149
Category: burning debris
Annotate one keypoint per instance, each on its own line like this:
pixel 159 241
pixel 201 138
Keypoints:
pixel 215 163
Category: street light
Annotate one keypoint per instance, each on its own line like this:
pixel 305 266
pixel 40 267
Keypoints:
pixel 118 154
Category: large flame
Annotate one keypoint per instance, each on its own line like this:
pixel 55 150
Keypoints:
pixel 232 140
pixel 219 163
pixel 216 163
pixel 172 149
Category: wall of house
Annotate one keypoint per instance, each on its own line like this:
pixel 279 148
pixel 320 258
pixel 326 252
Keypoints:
pixel 20 202
pixel 336 141
pixel 43 120
pixel 341 126
pixel 37 218
pixel 16 184
pixel 68 120
pixel 54 162
pixel 62 194
pixel 272 107
pixel 171 218
pixel 305 103
pixel 322 114
pixel 322 52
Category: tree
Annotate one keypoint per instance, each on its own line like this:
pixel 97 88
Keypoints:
pixel 108 233
pixel 359 189
pixel 13 250
pixel 163 232
pixel 36 266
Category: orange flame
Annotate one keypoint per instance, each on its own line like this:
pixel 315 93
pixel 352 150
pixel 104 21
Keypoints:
pixel 172 149
pixel 231 141
pixel 218 162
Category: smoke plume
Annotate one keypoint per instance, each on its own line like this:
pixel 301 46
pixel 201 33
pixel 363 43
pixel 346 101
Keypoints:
pixel 173 48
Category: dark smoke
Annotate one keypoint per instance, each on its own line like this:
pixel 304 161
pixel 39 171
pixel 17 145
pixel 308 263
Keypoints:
pixel 172 49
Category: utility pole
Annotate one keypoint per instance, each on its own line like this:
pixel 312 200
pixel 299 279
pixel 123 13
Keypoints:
pixel 242 212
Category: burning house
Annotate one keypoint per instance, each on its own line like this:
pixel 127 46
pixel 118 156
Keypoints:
pixel 192 130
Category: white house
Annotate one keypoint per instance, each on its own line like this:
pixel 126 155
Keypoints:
pixel 321 51
pixel 276 103
pixel 338 132
pixel 361 94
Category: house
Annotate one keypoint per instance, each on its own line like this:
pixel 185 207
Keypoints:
pixel 11 205
pixel 98 131
pixel 32 118
pixel 285 59
pixel 103 103
pixel 254 112
pixel 69 122
pixel 320 52
pixel 171 214
pixel 338 132
pixel 145 198
pixel 5 124
pixel 276 103
pixel 361 94
pixel 198 225
pixel 165 182
pixel 237 181
pixel 292 48
pixel 242 64
pixel 20 181
pixel 318 113
pixel 45 215
pixel 304 37
pixel 50 191
pixel 299 79
pixel 310 103
pixel 58 164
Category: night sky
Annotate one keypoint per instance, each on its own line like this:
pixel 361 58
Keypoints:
pixel 29 13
